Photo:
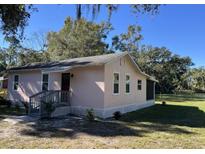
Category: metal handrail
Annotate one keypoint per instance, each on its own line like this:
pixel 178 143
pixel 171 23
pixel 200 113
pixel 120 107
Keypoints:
pixel 39 93
pixel 56 97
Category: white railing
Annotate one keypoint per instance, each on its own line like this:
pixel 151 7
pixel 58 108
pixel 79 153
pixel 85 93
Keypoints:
pixel 55 97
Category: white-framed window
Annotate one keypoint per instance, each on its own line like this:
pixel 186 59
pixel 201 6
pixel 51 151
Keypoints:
pixel 45 77
pixel 139 84
pixel 127 84
pixel 16 82
pixel 116 83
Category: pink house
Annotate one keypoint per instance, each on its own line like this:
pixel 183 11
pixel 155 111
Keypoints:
pixel 105 83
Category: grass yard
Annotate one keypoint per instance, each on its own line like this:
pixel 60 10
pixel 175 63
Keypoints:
pixel 178 124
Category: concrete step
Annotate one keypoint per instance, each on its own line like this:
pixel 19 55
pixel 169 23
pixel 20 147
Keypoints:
pixel 61 111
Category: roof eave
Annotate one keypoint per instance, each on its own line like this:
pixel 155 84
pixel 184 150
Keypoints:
pixel 146 75
pixel 54 69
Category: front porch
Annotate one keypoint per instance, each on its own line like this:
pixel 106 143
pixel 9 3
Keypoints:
pixel 55 94
pixel 50 101
pixel 69 91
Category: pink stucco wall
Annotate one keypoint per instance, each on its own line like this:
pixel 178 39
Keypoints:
pixel 123 66
pixel 91 87
pixel 29 84
pixel 87 86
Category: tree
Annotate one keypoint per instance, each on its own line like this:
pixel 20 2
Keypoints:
pixel 8 57
pixel 26 56
pixel 145 8
pixel 95 9
pixel 194 79
pixel 3 63
pixel 13 20
pixel 136 9
pixel 17 55
pixel 12 55
pixel 127 41
pixel 37 41
pixel 167 67
pixel 78 38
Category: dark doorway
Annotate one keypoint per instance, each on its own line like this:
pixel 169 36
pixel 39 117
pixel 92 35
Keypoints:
pixel 65 87
pixel 150 90
pixel 65 84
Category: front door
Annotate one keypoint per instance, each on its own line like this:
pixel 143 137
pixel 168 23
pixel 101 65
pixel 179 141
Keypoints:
pixel 65 87
pixel 65 84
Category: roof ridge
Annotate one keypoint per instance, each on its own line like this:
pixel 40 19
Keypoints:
pixel 94 56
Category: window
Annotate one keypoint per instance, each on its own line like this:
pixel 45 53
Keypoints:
pixel 45 82
pixel 116 83
pixel 139 84
pixel 16 82
pixel 127 85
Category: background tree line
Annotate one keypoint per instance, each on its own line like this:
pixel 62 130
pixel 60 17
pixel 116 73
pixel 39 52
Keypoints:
pixel 80 37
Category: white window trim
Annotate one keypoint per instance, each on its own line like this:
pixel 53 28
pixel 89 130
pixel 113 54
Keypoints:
pixel 114 82
pixel 127 74
pixel 14 82
pixel 139 84
pixel 42 81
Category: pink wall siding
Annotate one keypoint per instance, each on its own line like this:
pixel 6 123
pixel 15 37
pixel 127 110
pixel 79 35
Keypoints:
pixel 87 87
pixel 123 67
pixel 29 84
pixel 92 87
pixel 54 81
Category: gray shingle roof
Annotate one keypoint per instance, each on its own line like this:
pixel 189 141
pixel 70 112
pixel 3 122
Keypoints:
pixel 69 63
pixel 76 62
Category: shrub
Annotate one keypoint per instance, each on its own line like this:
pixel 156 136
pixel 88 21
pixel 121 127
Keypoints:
pixel 17 107
pixel 8 104
pixel 4 101
pixel 90 115
pixel 117 115
pixel 49 108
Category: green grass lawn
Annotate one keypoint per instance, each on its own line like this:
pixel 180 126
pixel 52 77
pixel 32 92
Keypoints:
pixel 178 124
